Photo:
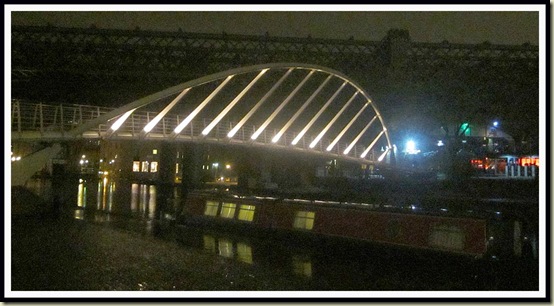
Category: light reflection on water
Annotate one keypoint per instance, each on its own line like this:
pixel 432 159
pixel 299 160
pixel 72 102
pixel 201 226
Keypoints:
pixel 242 251
pixel 142 198
pixel 302 265
pixel 141 203
pixel 143 207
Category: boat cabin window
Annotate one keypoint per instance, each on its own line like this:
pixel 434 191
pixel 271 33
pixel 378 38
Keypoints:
pixel 304 220
pixel 246 212
pixel 228 210
pixel 211 208
pixel 447 237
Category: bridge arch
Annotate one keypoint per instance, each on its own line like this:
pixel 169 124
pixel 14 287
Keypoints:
pixel 310 107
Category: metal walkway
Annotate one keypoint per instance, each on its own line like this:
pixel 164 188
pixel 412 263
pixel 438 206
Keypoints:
pixel 294 106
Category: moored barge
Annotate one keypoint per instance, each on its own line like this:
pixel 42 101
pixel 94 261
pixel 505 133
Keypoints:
pixel 476 235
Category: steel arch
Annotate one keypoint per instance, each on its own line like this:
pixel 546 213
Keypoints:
pixel 118 116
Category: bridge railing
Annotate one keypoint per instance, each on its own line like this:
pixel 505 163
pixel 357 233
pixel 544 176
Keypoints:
pixel 46 120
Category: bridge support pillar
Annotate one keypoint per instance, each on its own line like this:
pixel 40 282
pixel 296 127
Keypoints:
pixel 191 158
pixel 166 178
pixel 398 43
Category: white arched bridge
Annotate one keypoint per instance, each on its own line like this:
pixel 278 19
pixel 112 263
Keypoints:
pixel 287 105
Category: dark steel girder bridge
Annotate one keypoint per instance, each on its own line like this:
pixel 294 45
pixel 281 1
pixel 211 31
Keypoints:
pixel 71 64
pixel 69 68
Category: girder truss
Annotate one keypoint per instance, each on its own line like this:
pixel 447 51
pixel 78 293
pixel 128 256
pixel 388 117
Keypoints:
pixel 124 53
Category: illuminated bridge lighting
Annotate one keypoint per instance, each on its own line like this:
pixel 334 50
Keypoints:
pixel 372 144
pixel 301 109
pixel 159 117
pixel 305 129
pixel 342 107
pixel 193 114
pixel 353 143
pixel 339 136
pixel 382 156
pixel 255 108
pixel 328 126
pixel 224 112
pixel 283 104
pixel 117 124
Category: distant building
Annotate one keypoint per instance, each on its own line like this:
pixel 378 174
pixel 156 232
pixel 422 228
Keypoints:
pixel 484 140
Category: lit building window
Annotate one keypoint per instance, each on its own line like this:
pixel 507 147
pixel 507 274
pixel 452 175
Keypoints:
pixel 154 166
pixel 144 166
pixel 136 166
pixel 177 168
pixel 304 220
pixel 155 151
pixel 246 212
pixel 228 210
pixel 211 208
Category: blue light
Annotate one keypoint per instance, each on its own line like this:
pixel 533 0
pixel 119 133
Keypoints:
pixel 411 147
pixel 495 123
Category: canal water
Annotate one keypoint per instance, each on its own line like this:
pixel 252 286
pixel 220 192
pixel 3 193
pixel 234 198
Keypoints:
pixel 106 235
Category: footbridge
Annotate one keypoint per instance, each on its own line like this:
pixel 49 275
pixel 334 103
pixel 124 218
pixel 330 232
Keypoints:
pixel 290 106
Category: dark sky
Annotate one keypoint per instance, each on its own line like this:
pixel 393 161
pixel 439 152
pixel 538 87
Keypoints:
pixel 457 27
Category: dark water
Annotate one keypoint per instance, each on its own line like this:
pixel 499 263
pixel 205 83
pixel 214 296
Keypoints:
pixel 116 235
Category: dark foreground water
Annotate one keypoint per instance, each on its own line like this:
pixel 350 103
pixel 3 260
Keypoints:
pixel 119 237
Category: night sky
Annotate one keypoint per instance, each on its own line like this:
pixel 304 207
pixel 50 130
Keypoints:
pixel 496 27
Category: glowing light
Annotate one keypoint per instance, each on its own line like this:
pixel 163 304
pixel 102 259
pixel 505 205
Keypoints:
pixel 301 109
pixel 159 117
pixel 195 112
pixel 411 147
pixel 262 100
pixel 440 143
pixel 339 136
pixel 227 166
pixel 117 124
pixel 372 144
pixel 328 126
pixel 353 143
pixel 278 109
pixel 224 112
pixel 305 129
pixel 383 155
pixel 495 123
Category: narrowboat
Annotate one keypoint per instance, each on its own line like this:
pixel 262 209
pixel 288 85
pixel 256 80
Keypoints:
pixel 477 235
